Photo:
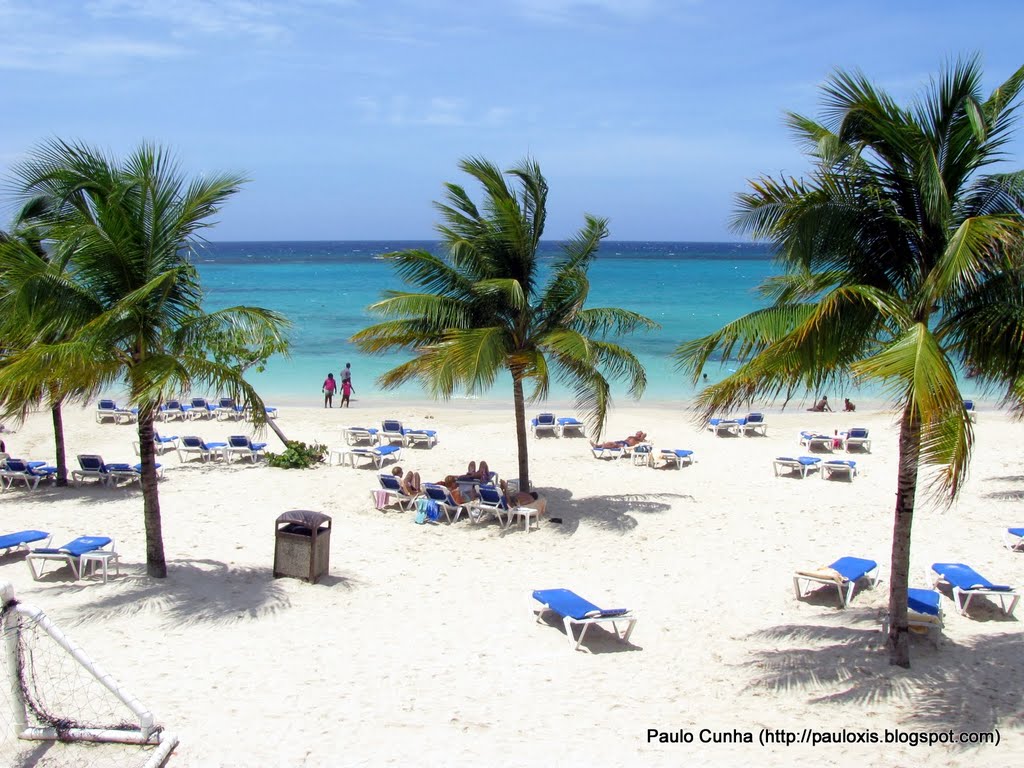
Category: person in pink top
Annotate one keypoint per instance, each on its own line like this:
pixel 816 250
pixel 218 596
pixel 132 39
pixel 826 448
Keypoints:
pixel 346 390
pixel 329 386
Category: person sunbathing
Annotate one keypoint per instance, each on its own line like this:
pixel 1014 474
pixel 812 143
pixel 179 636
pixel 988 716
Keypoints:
pixel 409 483
pixel 524 499
pixel 630 441
pixel 481 474
pixel 452 484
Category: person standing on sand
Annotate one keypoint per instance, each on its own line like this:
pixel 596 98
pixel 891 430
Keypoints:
pixel 346 374
pixel 346 390
pixel 329 386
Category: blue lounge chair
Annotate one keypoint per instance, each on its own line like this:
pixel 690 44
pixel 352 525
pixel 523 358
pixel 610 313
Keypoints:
pixel 575 610
pixel 843 574
pixel 227 409
pixel 967 582
pixel 800 465
pixel 490 501
pixel 724 427
pixel 27 472
pixel 161 443
pixel 1013 539
pixel 93 466
pixel 196 444
pixel 377 454
pixel 971 413
pixel 171 409
pixel 108 410
pixel 71 553
pixel 241 445
pixel 21 540
pixel 427 437
pixel 391 431
pixel 814 441
pixel 441 496
pixel 201 408
pixel 392 486
pixel 607 453
pixel 840 468
pixel 359 435
pixel 571 424
pixel 675 456
pixel 129 472
pixel 924 612
pixel 753 424
pixel 857 437
pixel 544 423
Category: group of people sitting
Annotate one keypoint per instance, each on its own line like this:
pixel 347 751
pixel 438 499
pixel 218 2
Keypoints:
pixel 411 485
pixel 822 405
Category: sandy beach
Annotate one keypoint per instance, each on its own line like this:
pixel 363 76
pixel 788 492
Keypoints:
pixel 420 648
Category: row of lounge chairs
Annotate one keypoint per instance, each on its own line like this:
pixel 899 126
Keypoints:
pixel 488 502
pixel 735 426
pixel 800 466
pixel 198 408
pixel 857 437
pixel 557 426
pixel 390 432
pixel 924 605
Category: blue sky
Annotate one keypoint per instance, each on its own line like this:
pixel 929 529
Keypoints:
pixel 348 116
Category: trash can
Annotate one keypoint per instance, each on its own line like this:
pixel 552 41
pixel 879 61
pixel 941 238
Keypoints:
pixel 302 545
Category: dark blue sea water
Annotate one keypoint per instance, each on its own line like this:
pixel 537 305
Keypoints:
pixel 690 289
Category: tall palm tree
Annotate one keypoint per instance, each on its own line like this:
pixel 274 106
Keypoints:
pixel 901 262
pixel 483 308
pixel 16 328
pixel 120 292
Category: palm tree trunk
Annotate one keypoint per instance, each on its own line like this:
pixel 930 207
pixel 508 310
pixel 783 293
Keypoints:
pixel 524 459
pixel 277 431
pixel 156 565
pixel 58 440
pixel 906 489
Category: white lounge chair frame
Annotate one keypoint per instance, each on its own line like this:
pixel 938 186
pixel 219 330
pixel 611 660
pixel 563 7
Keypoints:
pixel 823 442
pixel 855 442
pixel 629 619
pixel 790 465
pixel 577 426
pixel 1012 542
pixel 204 453
pixel 725 427
pixel 415 437
pixel 827 470
pixel 551 427
pixel 844 588
pixel 963 597
pixel 74 562
pixel 358 436
pixel 669 456
pixel 350 455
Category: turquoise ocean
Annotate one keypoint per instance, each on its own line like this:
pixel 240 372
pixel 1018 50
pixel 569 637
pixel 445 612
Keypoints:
pixel 325 288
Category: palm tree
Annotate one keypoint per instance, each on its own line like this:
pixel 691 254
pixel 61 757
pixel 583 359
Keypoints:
pixel 119 302
pixel 895 250
pixel 484 309
pixel 26 236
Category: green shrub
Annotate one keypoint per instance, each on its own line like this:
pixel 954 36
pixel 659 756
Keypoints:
pixel 297 455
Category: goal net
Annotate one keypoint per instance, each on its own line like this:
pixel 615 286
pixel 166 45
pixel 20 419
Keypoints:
pixel 59 708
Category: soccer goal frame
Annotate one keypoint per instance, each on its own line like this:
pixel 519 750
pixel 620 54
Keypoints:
pixel 143 730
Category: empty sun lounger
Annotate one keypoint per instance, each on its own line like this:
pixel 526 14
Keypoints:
pixel 574 610
pixel 675 457
pixel 378 454
pixel 843 574
pixel 70 554
pixel 724 427
pixel 359 435
pixel 27 472
pixel 244 448
pixel 108 410
pixel 205 451
pixel 753 424
pixel 424 437
pixel 840 468
pixel 857 437
pixel 571 424
pixel 971 413
pixel 21 540
pixel 967 583
pixel 817 442
pixel 544 424
pixel 801 465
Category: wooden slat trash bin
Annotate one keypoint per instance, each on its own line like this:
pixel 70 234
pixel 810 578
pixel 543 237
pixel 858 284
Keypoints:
pixel 302 545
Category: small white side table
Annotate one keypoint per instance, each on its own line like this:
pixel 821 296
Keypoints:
pixel 90 560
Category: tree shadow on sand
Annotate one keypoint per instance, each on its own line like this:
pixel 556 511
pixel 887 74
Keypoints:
pixel 613 512
pixel 974 686
pixel 1014 494
pixel 201 591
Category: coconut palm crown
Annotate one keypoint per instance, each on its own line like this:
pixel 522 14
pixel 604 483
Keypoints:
pixel 901 261
pixel 484 307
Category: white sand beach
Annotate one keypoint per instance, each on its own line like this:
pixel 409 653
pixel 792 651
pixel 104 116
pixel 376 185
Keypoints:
pixel 420 648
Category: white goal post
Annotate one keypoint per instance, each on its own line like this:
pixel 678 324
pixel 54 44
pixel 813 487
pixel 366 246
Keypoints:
pixel 30 719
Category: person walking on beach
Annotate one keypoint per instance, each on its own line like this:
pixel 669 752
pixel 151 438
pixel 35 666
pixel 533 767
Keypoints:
pixel 329 386
pixel 346 390
pixel 346 374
